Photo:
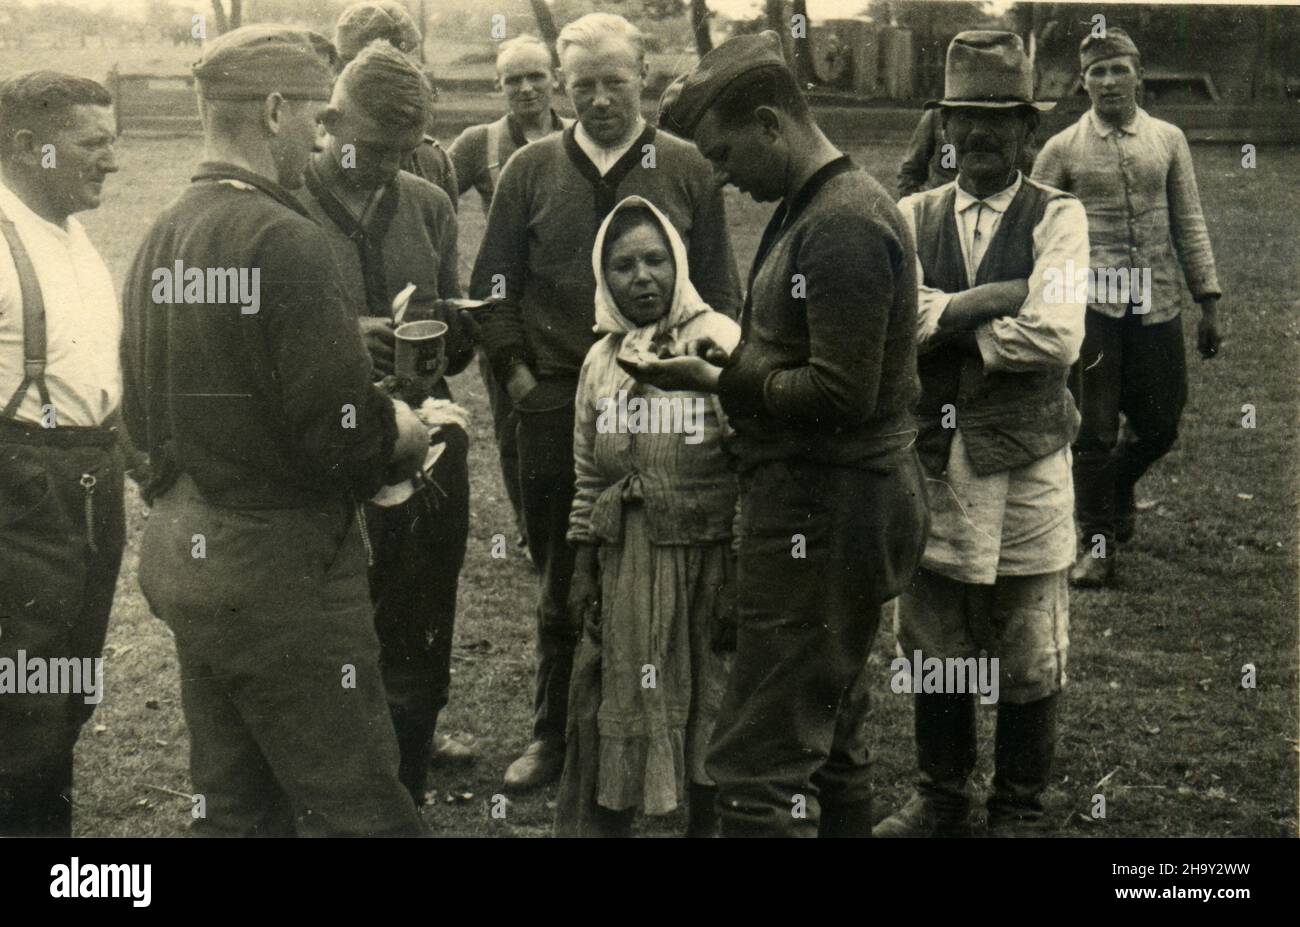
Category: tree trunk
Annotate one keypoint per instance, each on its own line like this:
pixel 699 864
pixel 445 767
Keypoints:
pixel 700 27
pixel 223 25
pixel 546 26
pixel 236 13
pixel 802 65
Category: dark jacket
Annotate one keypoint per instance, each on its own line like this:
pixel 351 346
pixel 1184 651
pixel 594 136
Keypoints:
pixel 536 252
pixel 273 408
pixel 826 367
pixel 1007 419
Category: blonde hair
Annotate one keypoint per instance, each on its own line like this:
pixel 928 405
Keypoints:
pixel 594 29
pixel 521 41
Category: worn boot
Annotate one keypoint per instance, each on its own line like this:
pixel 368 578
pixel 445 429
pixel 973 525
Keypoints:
pixel 845 819
pixel 945 753
pixel 702 812
pixel 1095 498
pixel 1125 511
pixel 1023 750
pixel 414 731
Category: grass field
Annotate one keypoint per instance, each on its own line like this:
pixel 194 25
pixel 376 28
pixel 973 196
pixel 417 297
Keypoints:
pixel 1155 717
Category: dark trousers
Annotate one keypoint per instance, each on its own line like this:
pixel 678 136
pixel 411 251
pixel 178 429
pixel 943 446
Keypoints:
pixel 789 753
pixel 546 481
pixel 419 549
pixel 505 421
pixel 56 592
pixel 280 681
pixel 1139 370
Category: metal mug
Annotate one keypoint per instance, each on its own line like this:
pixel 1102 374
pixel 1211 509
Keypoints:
pixel 421 349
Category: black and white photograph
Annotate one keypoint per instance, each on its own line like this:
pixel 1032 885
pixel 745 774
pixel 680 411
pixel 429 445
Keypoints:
pixel 649 418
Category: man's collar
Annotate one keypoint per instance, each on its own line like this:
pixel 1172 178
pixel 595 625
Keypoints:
pixel 14 206
pixel 998 202
pixel 1104 128
pixel 516 128
pixel 217 171
pixel 585 140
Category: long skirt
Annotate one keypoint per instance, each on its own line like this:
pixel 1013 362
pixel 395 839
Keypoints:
pixel 644 697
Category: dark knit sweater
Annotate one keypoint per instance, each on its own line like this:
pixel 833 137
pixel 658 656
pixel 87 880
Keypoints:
pixel 411 238
pixel 826 367
pixel 254 407
pixel 541 229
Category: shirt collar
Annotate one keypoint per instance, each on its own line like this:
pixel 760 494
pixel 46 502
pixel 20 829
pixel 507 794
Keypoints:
pixel 516 129
pixel 18 211
pixel 1104 128
pixel 998 202
pixel 590 145
pixel 217 171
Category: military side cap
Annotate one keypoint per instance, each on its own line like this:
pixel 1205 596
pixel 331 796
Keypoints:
pixel 363 23
pixel 716 71
pixel 989 69
pixel 251 62
pixel 1113 43
pixel 666 101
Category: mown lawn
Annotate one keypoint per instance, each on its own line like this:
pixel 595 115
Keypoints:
pixel 1155 718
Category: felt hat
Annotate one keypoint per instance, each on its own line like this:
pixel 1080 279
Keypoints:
pixel 988 69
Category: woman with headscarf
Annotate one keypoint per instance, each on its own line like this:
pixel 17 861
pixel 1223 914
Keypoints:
pixel 652 523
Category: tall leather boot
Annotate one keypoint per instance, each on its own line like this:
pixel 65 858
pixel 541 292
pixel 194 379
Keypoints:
pixel 1094 495
pixel 702 811
pixel 845 819
pixel 415 749
pixel 1023 751
pixel 945 753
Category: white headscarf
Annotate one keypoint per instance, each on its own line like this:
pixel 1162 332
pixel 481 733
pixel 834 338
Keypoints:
pixel 686 303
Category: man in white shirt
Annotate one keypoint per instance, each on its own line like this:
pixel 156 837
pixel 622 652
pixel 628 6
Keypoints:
pixel 62 527
pixel 999 327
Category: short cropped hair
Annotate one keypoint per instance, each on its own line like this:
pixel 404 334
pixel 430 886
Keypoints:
pixel 388 87
pixel 772 86
pixel 594 29
pixel 36 100
pixel 523 40
pixel 363 23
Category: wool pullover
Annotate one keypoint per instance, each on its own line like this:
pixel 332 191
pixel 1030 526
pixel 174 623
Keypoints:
pixel 411 238
pixel 256 407
pixel 536 252
pixel 826 367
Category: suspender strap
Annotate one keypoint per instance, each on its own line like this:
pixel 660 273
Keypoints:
pixel 494 135
pixel 33 321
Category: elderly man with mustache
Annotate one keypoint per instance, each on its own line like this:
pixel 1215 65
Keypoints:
pixel 996 419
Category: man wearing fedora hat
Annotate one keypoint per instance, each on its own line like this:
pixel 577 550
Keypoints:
pixel 1135 178
pixel 996 420
pixel 819 391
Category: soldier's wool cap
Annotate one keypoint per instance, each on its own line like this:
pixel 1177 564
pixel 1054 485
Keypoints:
pixel 989 69
pixel 716 71
pixel 1113 43
pixel 363 23
pixel 251 62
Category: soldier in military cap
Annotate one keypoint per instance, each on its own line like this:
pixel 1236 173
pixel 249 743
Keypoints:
pixel 819 391
pixel 265 436
pixel 1135 177
pixel 389 21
